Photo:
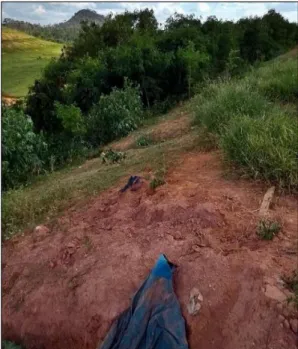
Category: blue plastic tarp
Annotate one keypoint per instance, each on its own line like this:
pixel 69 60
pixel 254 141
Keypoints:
pixel 154 319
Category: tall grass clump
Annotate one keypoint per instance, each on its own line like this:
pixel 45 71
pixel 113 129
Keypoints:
pixel 265 147
pixel 221 101
pixel 276 80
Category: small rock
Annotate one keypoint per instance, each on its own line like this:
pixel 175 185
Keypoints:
pixel 281 318
pixel 286 324
pixel 286 312
pixel 275 293
pixel 41 230
pixel 196 248
pixel 195 301
pixel 53 264
pixel 279 307
pixel 294 325
pixel 177 235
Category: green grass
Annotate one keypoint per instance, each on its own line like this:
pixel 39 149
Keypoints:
pixel 23 59
pixel 277 80
pixel 254 120
pixel 265 148
pixel 221 101
pixel 47 198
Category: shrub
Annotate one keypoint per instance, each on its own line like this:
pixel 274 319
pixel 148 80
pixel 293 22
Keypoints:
pixel 71 118
pixel 115 115
pixel 267 229
pixel 112 156
pixel 220 101
pixel 264 148
pixel 144 141
pixel 23 151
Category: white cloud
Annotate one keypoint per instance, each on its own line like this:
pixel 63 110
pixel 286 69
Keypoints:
pixel 204 7
pixel 292 16
pixel 81 5
pixel 39 10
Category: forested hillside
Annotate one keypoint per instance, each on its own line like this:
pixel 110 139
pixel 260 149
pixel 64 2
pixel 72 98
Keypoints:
pixel 116 74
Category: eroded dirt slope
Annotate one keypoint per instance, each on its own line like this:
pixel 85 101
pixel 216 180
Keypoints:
pixel 64 287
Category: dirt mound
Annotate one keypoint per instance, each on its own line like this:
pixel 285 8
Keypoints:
pixel 63 288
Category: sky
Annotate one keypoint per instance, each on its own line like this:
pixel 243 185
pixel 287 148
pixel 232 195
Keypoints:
pixel 56 12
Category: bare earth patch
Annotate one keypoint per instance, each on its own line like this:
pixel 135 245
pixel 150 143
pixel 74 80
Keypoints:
pixel 63 288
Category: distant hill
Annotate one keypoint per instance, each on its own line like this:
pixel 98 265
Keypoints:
pixel 62 32
pixel 83 15
pixel 23 59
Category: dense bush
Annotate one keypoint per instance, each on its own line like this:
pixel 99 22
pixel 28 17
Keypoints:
pixel 266 147
pixel 115 115
pixel 23 151
pixel 166 63
pixel 71 118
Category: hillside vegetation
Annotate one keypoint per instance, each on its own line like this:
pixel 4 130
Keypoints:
pixel 117 76
pixel 257 134
pixel 23 60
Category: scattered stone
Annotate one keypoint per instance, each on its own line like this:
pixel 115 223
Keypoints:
pixel 286 312
pixel 286 324
pixel 195 301
pixel 196 248
pixel 52 264
pixel 275 293
pixel 177 235
pixel 41 230
pixel 294 325
pixel 279 307
pixel 281 318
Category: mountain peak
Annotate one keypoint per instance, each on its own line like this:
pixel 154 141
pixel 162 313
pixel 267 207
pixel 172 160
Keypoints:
pixel 85 15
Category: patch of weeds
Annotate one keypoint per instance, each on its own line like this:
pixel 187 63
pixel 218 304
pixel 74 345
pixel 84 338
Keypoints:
pixel 87 243
pixel 112 156
pixel 291 283
pixel 9 345
pixel 156 182
pixel 144 141
pixel 267 229
pixel 158 179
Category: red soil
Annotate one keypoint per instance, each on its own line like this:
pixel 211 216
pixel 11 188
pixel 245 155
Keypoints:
pixel 63 288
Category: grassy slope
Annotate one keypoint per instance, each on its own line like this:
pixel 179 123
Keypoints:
pixel 23 58
pixel 52 194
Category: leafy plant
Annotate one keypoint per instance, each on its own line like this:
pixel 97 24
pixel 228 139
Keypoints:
pixel 267 229
pixel 144 141
pixel 112 156
pixel 115 115
pixel 71 118
pixel 23 151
